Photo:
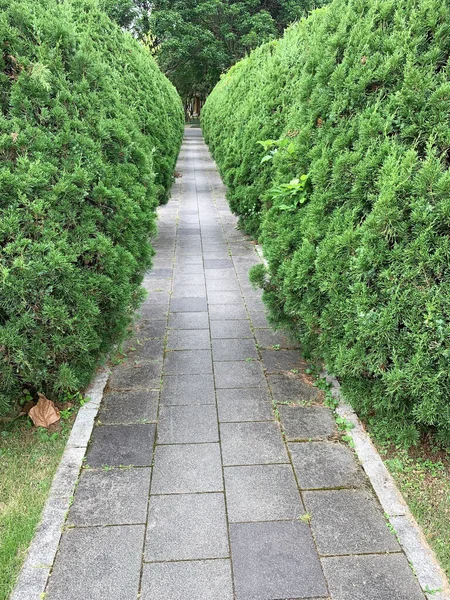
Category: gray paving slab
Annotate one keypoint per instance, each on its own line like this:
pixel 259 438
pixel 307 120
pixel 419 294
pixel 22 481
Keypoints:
pixel 239 374
pixel 321 465
pixel 235 349
pixel 188 424
pixel 252 444
pixel 231 329
pixel 218 264
pixel 267 338
pixel 103 497
pixel 186 527
pixel 154 310
pixel 129 376
pixel 307 422
pixel 137 349
pixel 348 522
pixel 188 305
pixel 224 297
pixel 373 577
pixel 188 339
pixel 189 320
pixel 129 407
pixel 244 404
pixel 219 285
pixel 227 312
pixel 188 580
pixel 277 361
pixel 188 389
pixel 262 493
pixel 275 560
pixel 90 564
pixel 188 362
pixel 290 387
pixel 188 279
pixel 151 329
pixel 259 319
pixel 121 445
pixel 187 468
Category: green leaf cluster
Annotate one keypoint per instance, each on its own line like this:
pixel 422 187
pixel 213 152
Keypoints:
pixel 360 271
pixel 89 133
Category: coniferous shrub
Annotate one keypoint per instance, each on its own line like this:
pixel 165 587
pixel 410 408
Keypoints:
pixel 359 249
pixel 89 133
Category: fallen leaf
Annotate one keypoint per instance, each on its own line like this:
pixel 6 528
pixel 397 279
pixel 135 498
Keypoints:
pixel 44 413
pixel 319 122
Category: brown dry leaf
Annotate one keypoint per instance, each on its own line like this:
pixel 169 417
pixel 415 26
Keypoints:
pixel 319 122
pixel 44 413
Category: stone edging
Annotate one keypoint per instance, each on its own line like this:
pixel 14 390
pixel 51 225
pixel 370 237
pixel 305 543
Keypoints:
pixel 410 536
pixel 36 569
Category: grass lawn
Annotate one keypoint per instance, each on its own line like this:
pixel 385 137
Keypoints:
pixel 423 477
pixel 28 461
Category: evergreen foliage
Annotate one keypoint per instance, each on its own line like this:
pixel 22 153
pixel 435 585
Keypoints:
pixel 196 41
pixel 89 133
pixel 355 98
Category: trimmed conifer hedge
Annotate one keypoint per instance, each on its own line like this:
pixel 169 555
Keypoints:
pixel 89 134
pixel 349 192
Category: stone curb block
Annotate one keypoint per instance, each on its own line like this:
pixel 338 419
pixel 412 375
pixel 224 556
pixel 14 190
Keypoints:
pixel 410 536
pixel 34 574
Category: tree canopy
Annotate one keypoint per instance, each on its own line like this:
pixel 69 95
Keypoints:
pixel 195 42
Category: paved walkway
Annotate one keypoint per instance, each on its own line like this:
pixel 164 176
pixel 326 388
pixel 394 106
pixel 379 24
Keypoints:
pixel 196 492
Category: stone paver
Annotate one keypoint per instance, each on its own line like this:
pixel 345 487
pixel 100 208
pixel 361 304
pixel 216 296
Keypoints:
pixel 275 560
pixel 186 527
pixel 252 444
pixel 115 487
pixel 187 468
pixel 188 424
pixel 188 389
pixel 307 422
pixel 121 445
pixel 373 577
pixel 188 580
pixel 129 407
pixel 320 465
pixel 218 500
pixel 262 493
pixel 244 404
pixel 90 564
pixel 348 522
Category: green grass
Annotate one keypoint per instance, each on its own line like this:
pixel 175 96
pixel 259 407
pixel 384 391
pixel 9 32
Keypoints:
pixel 28 461
pixel 423 477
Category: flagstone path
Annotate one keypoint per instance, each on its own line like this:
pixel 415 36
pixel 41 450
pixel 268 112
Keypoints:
pixel 194 488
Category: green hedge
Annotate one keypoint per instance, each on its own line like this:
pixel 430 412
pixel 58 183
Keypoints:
pixel 356 99
pixel 89 134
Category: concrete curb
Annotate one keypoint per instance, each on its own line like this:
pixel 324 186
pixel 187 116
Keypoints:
pixel 36 569
pixel 410 536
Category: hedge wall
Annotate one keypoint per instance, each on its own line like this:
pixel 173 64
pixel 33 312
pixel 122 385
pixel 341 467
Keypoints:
pixel 356 100
pixel 89 133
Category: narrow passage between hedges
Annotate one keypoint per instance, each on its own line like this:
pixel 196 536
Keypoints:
pixel 218 500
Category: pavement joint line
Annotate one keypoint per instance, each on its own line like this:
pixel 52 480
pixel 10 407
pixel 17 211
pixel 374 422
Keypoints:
pixel 33 577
